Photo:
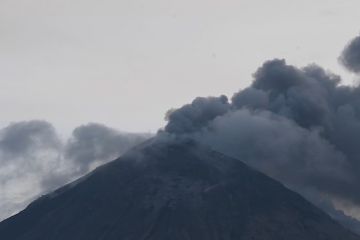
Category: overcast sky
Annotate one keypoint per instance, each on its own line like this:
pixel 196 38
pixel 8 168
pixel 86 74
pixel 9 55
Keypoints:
pixel 125 63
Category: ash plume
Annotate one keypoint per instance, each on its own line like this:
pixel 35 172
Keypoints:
pixel 298 125
pixel 35 160
pixel 350 57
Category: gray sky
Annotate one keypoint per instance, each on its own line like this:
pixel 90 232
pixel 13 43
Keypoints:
pixel 124 63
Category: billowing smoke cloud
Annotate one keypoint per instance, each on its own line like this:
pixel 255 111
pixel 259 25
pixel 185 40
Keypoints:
pixel 298 125
pixel 29 154
pixel 94 144
pixel 350 57
pixel 200 112
pixel 35 160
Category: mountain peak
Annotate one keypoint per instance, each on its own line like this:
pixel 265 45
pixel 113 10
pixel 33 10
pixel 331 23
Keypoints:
pixel 173 189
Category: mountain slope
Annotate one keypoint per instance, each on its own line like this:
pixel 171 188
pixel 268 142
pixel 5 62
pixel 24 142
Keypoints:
pixel 178 191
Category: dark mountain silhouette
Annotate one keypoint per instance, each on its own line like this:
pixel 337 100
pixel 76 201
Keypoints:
pixel 176 190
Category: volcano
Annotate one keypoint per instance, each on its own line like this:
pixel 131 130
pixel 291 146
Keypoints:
pixel 173 189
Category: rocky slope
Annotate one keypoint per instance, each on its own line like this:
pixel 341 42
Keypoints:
pixel 173 190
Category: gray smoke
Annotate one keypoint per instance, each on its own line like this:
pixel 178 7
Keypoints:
pixel 95 144
pixel 350 57
pixel 200 112
pixel 298 125
pixel 35 160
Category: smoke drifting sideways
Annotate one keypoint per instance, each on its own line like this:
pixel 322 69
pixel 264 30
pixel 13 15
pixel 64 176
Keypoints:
pixel 350 57
pixel 35 160
pixel 297 125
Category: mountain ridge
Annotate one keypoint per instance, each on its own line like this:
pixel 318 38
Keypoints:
pixel 173 189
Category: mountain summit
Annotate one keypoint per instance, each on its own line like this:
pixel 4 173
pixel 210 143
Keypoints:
pixel 175 190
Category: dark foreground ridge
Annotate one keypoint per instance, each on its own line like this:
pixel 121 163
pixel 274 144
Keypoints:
pixel 177 191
